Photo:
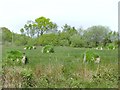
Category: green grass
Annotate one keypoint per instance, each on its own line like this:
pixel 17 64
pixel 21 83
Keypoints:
pixel 65 68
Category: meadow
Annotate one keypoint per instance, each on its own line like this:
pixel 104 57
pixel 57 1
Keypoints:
pixel 62 69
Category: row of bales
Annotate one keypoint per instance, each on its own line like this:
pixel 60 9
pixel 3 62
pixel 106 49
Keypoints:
pixel 29 47
pixel 108 47
pixel 19 57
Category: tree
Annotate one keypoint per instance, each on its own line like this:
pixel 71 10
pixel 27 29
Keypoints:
pixel 21 39
pixel 77 41
pixel 6 34
pixel 43 25
pixel 22 31
pixel 29 28
pixel 96 34
pixel 68 29
pixel 67 32
pixel 48 39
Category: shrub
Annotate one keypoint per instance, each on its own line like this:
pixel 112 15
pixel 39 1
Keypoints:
pixel 27 78
pixel 76 41
pixel 48 39
pixel 48 49
pixel 90 56
pixel 64 42
pixel 14 57
pixel 111 46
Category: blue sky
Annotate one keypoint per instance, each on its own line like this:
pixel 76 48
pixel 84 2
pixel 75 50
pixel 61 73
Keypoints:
pixel 79 13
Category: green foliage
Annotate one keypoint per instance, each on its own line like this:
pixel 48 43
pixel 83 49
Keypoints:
pixel 96 34
pixel 20 39
pixel 111 46
pixel 30 30
pixel 76 41
pixel 64 42
pixel 27 78
pixel 108 76
pixel 44 32
pixel 6 35
pixel 48 49
pixel 70 30
pixel 90 56
pixel 14 54
pixel 48 39
pixel 63 69
pixel 22 31
pixel 44 25
pixel 14 57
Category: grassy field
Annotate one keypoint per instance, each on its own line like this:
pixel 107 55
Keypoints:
pixel 63 69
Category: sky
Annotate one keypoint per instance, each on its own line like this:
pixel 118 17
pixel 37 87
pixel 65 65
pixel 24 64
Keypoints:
pixel 79 13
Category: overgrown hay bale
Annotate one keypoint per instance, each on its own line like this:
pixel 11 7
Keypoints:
pixel 29 47
pixel 34 47
pixel 14 56
pixel 111 46
pixel 91 57
pixel 48 49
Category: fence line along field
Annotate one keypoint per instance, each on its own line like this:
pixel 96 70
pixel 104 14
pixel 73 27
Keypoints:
pixel 62 69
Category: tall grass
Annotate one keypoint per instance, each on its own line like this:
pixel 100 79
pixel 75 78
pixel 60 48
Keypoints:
pixel 65 69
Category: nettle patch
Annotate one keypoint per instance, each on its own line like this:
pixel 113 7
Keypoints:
pixel 91 57
pixel 14 57
pixel 29 47
pixel 48 49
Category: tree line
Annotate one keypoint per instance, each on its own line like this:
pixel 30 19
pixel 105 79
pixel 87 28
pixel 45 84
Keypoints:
pixel 43 31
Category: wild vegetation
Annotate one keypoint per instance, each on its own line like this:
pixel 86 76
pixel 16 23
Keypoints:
pixel 56 57
pixel 64 68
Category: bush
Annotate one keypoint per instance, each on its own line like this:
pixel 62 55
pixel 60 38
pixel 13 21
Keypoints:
pixel 76 41
pixel 47 39
pixel 64 42
pixel 48 49
pixel 90 56
pixel 111 46
pixel 27 78
pixel 14 57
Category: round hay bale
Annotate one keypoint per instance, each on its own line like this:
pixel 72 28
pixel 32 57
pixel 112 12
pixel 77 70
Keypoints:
pixel 34 47
pixel 48 49
pixel 90 57
pixel 14 56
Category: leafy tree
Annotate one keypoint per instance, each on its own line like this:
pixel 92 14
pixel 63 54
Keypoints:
pixel 81 31
pixel 22 31
pixel 111 37
pixel 20 39
pixel 66 27
pixel 29 28
pixel 69 30
pixel 48 39
pixel 44 25
pixel 53 29
pixel 77 41
pixel 96 34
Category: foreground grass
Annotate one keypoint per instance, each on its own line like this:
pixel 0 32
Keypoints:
pixel 63 69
